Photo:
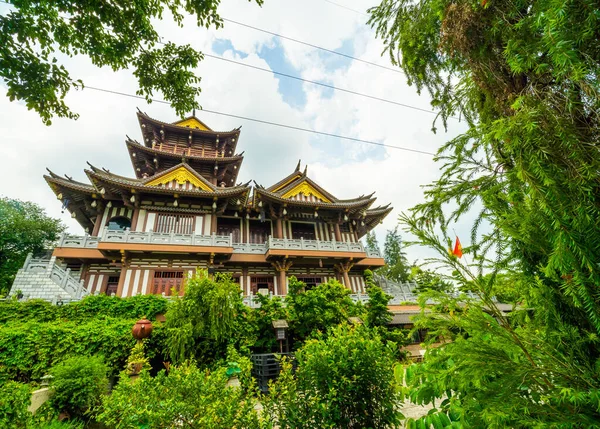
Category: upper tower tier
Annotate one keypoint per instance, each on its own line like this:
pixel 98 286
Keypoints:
pixel 210 153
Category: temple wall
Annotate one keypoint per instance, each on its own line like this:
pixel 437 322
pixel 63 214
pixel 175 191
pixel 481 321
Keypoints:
pixel 139 275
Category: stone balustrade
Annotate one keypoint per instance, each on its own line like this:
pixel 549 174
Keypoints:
pixel 138 237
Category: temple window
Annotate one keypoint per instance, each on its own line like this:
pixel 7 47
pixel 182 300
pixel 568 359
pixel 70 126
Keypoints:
pixel 176 223
pixel 227 226
pixel 345 227
pixel 119 223
pixel 164 281
pixel 259 231
pixel 112 285
pixel 310 282
pixel 262 285
pixel 305 231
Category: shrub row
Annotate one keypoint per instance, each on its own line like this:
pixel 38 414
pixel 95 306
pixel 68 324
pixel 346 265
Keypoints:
pixel 91 306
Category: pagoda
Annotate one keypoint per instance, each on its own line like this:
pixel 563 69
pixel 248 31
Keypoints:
pixel 184 210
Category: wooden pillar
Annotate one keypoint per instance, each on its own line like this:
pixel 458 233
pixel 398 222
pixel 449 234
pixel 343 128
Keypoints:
pixel 347 279
pixel 282 282
pixel 336 231
pixel 213 223
pixel 122 274
pixel 134 218
pixel 282 268
pixel 279 228
pixel 342 268
pixel 97 224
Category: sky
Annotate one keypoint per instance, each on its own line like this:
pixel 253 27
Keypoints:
pixel 346 169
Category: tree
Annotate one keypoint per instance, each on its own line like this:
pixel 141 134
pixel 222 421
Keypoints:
pixel 428 280
pixel 372 243
pixel 119 35
pixel 524 77
pixel 343 380
pixel 317 309
pixel 24 228
pixel 203 320
pixel 378 313
pixel 396 265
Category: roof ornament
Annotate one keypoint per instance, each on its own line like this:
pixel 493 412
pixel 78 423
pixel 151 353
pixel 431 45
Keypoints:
pixel 298 166
pixel 194 111
pixel 305 170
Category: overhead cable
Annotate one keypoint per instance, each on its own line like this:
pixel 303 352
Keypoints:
pixel 331 51
pixel 276 124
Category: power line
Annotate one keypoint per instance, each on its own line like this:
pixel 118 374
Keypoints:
pixel 325 85
pixel 346 7
pixel 331 51
pixel 276 124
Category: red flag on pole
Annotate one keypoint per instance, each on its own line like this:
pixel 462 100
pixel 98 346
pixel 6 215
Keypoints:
pixel 457 248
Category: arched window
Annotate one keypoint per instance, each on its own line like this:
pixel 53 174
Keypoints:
pixel 119 224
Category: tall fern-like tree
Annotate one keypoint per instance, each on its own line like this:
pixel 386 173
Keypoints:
pixel 524 75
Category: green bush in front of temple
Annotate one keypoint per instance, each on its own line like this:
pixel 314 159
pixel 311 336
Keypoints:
pixel 78 385
pixel 37 310
pixel 343 380
pixel 28 350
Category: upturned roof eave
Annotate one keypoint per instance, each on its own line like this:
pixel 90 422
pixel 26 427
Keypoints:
pixel 333 205
pixel 139 187
pixel 178 128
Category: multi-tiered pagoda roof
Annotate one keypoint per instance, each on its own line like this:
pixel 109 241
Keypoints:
pixel 187 167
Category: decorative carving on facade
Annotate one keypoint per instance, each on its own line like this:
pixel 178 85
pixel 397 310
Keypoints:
pixel 306 189
pixel 181 176
pixel 192 123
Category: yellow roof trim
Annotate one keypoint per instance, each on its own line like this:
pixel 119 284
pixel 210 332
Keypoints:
pixel 297 176
pixel 306 189
pixel 181 175
pixel 192 122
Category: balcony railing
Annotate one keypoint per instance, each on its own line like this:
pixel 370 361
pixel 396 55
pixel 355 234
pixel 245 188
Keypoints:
pixel 165 238
pixel 335 246
pixel 137 237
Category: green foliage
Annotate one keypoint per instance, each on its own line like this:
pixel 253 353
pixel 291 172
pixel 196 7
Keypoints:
pixel 24 228
pixel 524 76
pixel 396 265
pixel 147 306
pixel 78 385
pixel 186 397
pixel 371 242
pixel 28 350
pixel 378 313
pixel 206 313
pixel 35 35
pixel 343 380
pixel 15 398
pixel 271 308
pixel 317 309
pixel 428 280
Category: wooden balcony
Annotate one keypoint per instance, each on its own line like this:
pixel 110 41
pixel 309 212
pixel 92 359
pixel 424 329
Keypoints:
pixel 222 243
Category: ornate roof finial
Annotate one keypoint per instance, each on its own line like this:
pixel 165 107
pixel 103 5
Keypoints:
pixel 194 112
pixel 298 166
pixel 305 170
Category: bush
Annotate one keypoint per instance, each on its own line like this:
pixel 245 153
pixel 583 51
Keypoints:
pixel 185 397
pixel 15 398
pixel 319 308
pixel 27 350
pixel 38 310
pixel 79 383
pixel 344 380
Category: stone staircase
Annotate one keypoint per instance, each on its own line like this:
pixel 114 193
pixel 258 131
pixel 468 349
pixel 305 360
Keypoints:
pixel 44 279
